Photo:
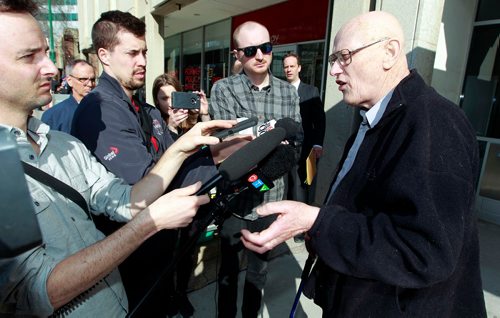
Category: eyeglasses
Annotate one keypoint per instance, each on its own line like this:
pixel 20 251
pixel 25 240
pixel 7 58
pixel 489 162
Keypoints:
pixel 344 57
pixel 250 51
pixel 84 80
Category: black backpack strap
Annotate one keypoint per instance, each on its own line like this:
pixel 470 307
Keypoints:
pixel 57 185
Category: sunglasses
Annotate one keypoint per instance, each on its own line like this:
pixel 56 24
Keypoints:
pixel 250 51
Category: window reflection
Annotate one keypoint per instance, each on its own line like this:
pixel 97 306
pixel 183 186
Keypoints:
pixel 199 57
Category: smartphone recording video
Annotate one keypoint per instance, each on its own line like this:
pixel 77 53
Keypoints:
pixel 185 100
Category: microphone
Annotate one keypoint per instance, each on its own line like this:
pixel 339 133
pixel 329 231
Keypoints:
pixel 242 125
pixel 277 164
pixel 291 127
pixel 247 157
pixel 257 154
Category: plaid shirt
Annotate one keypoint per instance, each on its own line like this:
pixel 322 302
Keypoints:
pixel 235 97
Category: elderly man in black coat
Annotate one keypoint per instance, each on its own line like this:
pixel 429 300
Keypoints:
pixel 397 234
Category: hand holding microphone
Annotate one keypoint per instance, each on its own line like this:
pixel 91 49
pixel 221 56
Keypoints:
pixel 243 160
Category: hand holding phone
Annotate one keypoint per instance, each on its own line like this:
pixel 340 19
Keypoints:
pixel 185 100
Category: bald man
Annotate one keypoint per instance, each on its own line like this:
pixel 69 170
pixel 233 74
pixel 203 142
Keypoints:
pixel 397 234
pixel 252 92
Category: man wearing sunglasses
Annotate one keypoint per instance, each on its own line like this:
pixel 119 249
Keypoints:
pixel 397 234
pixel 81 79
pixel 252 92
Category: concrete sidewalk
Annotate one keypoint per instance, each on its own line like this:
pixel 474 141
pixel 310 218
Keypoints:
pixel 286 267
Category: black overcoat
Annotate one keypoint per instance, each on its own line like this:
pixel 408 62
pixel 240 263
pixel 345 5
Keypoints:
pixel 398 238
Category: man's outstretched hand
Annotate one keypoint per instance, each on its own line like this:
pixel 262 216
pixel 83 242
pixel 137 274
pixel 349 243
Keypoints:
pixel 293 218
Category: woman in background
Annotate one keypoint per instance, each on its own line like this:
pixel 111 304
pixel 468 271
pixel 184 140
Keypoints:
pixel 178 120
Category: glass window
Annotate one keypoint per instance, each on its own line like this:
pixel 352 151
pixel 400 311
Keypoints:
pixel 277 64
pixel 173 55
pixel 481 86
pixel 217 40
pixel 488 10
pixel 191 59
pixel 311 58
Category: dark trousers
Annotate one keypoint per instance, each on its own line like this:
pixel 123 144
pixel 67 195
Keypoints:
pixel 296 189
pixel 256 274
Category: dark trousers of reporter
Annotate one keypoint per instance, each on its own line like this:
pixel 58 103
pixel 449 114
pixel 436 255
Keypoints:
pixel 256 273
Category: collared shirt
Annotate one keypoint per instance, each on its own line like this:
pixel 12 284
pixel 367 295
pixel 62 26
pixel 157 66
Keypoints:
pixel 234 97
pixel 370 119
pixel 66 228
pixel 60 116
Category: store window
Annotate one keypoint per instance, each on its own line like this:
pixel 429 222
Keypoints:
pixel 191 59
pixel 173 55
pixel 488 10
pixel 311 57
pixel 479 100
pixel 199 57
pixel 217 42
pixel 481 90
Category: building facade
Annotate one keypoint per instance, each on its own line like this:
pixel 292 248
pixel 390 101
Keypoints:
pixel 453 44
pixel 59 21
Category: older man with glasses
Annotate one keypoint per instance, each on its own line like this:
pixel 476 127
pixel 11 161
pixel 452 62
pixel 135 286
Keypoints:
pixel 81 80
pixel 397 235
pixel 253 92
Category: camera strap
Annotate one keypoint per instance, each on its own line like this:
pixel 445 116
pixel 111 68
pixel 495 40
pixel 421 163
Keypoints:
pixel 56 184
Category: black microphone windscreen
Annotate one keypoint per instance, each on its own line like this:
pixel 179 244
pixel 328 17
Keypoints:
pixel 248 156
pixel 291 127
pixel 279 162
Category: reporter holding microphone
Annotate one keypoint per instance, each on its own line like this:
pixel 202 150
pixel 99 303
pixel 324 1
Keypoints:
pixel 74 272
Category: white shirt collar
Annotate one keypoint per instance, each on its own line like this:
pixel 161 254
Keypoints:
pixel 296 84
pixel 374 114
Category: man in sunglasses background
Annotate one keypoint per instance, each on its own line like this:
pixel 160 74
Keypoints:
pixel 81 80
pixel 252 92
pixel 397 234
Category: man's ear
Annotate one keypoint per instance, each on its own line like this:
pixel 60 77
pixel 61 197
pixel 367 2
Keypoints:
pixel 236 55
pixel 103 55
pixel 393 51
pixel 69 80
pixel 299 68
